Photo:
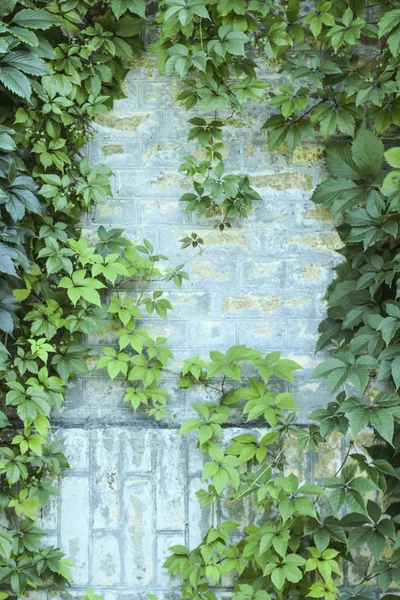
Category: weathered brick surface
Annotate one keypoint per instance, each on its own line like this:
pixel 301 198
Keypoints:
pixel 130 492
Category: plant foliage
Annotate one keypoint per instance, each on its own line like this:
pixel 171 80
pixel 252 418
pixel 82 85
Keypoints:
pixel 338 63
pixel 61 65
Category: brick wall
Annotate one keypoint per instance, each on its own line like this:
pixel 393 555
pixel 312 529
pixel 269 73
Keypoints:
pixel 130 492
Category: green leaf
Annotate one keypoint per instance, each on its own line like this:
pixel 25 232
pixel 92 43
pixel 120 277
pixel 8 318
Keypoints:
pixel 368 151
pixel 35 18
pixel 278 577
pixel 337 498
pixel 220 480
pixel 383 422
pixel 16 82
pixel 6 7
pixel 27 62
pixel 392 156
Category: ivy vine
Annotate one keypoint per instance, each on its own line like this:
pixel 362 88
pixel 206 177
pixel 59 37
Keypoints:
pixel 339 67
pixel 62 64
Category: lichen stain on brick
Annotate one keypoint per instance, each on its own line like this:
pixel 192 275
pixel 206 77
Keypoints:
pixel 111 149
pixel 109 326
pixel 329 241
pixel 362 559
pixel 309 387
pixel 283 181
pixel 155 150
pixel 329 456
pixel 91 361
pixel 73 547
pixel 109 210
pixel 170 179
pixel 264 331
pixel 174 88
pixel 281 149
pixel 268 224
pixel 238 123
pixel 295 460
pixel 89 235
pixel 108 567
pixel 205 269
pixel 108 441
pixel 137 534
pixel 244 302
pixel 250 150
pixel 311 272
pixel 237 511
pixel 263 269
pixel 304 360
pixel 305 334
pixel 164 207
pixel 266 305
pixel 113 121
pixel 146 63
pixel 308 155
pixel 365 438
pixel 298 302
pixel 223 238
pixel 319 213
pixel 158 331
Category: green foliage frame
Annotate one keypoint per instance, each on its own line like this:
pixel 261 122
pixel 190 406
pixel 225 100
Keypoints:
pixel 62 64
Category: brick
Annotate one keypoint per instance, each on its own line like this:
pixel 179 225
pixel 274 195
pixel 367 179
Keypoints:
pixel 199 516
pixel 162 212
pixel 302 334
pixel 170 490
pixel 150 183
pixel 137 534
pixel 128 124
pixel 164 542
pixel 137 446
pixel 105 478
pixel 216 333
pixel 47 519
pixel 106 569
pixel 155 94
pixel 264 334
pixel 170 153
pixel 76 448
pixel 116 213
pixel 115 153
pixel 75 514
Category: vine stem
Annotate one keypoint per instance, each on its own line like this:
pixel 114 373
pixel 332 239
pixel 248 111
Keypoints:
pixel 344 461
pixel 308 111
pixel 352 442
pixel 197 381
pixel 257 478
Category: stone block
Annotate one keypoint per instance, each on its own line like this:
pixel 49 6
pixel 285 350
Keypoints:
pixel 138 535
pixel 74 526
pixel 106 478
pixel 137 446
pixel 164 543
pixel 170 477
pixel 106 567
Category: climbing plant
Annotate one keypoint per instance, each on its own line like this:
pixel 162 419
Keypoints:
pixel 339 67
pixel 61 65
pixel 308 529
pixel 203 43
